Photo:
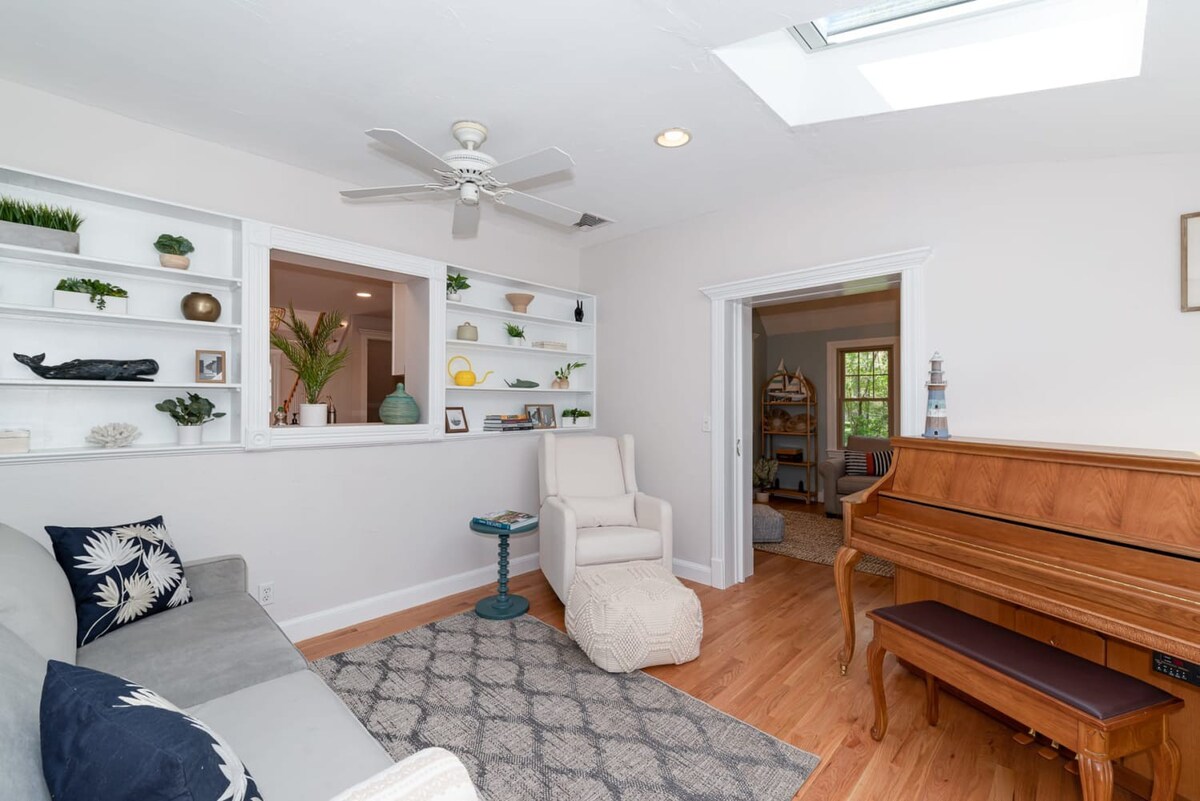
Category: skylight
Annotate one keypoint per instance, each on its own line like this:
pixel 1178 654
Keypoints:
pixel 1011 47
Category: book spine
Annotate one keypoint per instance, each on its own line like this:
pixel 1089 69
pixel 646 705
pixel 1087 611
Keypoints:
pixel 491 524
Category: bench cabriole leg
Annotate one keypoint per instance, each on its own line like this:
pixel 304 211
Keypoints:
pixel 875 654
pixel 1096 778
pixel 843 574
pixel 1165 757
pixel 931 699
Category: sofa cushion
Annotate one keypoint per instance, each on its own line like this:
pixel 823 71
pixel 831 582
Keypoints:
pixel 21 672
pixel 589 467
pixel 849 484
pixel 105 737
pixel 35 598
pixel 601 546
pixel 119 574
pixel 197 652
pixel 300 739
pixel 593 512
pixel 868 463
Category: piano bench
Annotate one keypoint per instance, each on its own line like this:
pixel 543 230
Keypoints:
pixel 1099 713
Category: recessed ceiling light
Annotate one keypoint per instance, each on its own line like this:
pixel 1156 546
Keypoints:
pixel 363 294
pixel 673 137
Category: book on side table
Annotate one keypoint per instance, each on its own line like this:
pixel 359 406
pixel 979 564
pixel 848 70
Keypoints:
pixel 507 520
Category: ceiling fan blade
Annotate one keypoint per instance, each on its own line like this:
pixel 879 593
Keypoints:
pixel 388 191
pixel 535 165
pixel 409 151
pixel 466 220
pixel 547 210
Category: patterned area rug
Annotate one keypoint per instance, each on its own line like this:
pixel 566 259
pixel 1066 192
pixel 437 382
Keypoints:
pixel 532 718
pixel 815 538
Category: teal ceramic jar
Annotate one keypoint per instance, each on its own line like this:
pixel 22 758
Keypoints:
pixel 399 408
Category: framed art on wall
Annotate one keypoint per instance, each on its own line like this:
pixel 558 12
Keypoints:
pixel 1189 277
pixel 211 366
pixel 456 420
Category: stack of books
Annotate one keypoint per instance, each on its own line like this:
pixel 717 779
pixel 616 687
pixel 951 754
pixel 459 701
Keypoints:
pixel 507 422
pixel 547 344
pixel 506 520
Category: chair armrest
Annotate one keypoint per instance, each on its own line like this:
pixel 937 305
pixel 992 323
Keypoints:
pixel 433 773
pixel 656 514
pixel 832 468
pixel 217 575
pixel 556 544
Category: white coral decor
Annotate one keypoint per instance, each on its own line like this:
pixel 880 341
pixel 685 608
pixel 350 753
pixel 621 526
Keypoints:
pixel 114 435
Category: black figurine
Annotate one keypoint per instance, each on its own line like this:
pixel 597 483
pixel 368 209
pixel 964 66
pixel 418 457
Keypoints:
pixel 91 369
pixel 579 311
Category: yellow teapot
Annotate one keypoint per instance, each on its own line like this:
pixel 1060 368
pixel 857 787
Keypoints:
pixel 466 378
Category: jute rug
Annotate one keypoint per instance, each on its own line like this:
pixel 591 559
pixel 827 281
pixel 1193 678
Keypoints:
pixel 532 718
pixel 815 538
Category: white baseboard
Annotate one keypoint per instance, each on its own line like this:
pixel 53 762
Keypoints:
pixel 340 617
pixel 692 571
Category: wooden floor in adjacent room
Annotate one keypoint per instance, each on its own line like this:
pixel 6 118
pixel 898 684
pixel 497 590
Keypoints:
pixel 768 658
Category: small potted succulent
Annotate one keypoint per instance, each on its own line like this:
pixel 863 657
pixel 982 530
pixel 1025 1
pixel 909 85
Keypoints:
pixel 173 250
pixel 516 334
pixel 562 376
pixel 313 362
pixel 455 284
pixel 574 415
pixel 90 294
pixel 37 225
pixel 765 471
pixel 190 414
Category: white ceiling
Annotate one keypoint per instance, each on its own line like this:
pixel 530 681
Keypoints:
pixel 299 80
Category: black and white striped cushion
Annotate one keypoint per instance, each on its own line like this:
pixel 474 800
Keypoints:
pixel 868 463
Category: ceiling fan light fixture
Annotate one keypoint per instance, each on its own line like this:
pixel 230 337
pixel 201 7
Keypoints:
pixel 673 137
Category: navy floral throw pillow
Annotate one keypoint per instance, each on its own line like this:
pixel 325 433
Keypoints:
pixel 119 574
pixel 106 738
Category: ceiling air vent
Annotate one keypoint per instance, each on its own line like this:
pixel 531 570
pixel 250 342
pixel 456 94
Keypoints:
pixel 589 221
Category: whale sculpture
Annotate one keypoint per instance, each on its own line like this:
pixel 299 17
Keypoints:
pixel 91 369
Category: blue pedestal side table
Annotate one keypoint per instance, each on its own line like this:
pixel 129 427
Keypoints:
pixel 502 606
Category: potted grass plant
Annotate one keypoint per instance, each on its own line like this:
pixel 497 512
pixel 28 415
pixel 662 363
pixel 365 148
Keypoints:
pixel 38 225
pixel 516 334
pixel 190 414
pixel 173 250
pixel 90 294
pixel 308 351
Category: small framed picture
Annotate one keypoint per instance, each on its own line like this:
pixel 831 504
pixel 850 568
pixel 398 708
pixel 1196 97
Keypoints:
pixel 1190 268
pixel 541 414
pixel 456 420
pixel 210 366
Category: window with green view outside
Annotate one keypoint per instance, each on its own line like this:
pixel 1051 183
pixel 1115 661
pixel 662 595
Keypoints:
pixel 865 403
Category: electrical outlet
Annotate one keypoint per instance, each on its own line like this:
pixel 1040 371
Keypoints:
pixel 266 593
pixel 706 425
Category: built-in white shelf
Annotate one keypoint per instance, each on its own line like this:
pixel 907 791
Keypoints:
pixel 567 429
pixel 94 452
pixel 45 383
pixel 104 318
pixel 517 349
pixel 512 316
pixel 542 390
pixel 94 265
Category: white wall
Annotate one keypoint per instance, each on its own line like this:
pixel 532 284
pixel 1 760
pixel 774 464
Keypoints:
pixel 328 526
pixel 1052 293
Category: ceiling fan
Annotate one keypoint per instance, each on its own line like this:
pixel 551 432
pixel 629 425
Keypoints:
pixel 468 173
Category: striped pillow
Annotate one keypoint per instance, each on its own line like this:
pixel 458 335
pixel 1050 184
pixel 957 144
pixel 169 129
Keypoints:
pixel 434 774
pixel 868 463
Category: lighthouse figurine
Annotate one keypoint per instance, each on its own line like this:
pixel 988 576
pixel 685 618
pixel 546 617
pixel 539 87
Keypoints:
pixel 936 422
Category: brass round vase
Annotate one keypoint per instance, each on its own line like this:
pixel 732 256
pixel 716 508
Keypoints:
pixel 201 306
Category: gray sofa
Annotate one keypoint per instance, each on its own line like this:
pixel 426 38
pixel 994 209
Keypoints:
pixel 836 483
pixel 221 658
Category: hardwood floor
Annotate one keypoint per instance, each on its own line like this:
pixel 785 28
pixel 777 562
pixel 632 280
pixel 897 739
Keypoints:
pixel 768 658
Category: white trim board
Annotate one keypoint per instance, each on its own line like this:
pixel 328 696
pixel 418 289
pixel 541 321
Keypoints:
pixel 730 513
pixel 832 440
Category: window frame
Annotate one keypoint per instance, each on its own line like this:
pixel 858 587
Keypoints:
pixel 834 379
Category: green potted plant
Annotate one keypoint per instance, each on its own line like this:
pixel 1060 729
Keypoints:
pixel 173 250
pixel 765 471
pixel 574 415
pixel 454 285
pixel 311 359
pixel 38 225
pixel 562 376
pixel 90 294
pixel 190 414
pixel 516 334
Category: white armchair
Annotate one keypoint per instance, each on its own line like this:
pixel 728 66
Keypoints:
pixel 592 512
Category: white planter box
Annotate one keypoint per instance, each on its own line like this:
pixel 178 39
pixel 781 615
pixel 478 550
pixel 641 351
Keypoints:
pixel 79 301
pixel 32 236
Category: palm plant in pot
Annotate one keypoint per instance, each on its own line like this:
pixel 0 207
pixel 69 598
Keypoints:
pixel 312 360
pixel 190 414
pixel 765 471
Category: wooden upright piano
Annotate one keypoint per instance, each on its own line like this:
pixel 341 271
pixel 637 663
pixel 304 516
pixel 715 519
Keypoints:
pixel 1093 550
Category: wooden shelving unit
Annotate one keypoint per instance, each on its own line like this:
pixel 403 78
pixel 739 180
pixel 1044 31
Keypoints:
pixel 791 398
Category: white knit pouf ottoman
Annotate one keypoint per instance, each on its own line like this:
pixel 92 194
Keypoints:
pixel 633 615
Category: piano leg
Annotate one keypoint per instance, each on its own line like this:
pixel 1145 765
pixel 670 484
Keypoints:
pixel 843 574
pixel 1095 778
pixel 1165 758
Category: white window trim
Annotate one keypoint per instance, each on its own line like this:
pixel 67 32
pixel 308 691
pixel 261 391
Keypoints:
pixel 259 239
pixel 831 384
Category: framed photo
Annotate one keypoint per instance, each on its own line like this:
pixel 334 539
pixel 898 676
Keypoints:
pixel 456 420
pixel 1189 225
pixel 211 366
pixel 541 414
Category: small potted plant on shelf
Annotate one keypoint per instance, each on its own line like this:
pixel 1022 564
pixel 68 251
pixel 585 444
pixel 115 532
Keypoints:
pixel 190 415
pixel 90 294
pixel 454 285
pixel 574 415
pixel 37 225
pixel 173 250
pixel 765 471
pixel 516 334
pixel 562 376
pixel 311 359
